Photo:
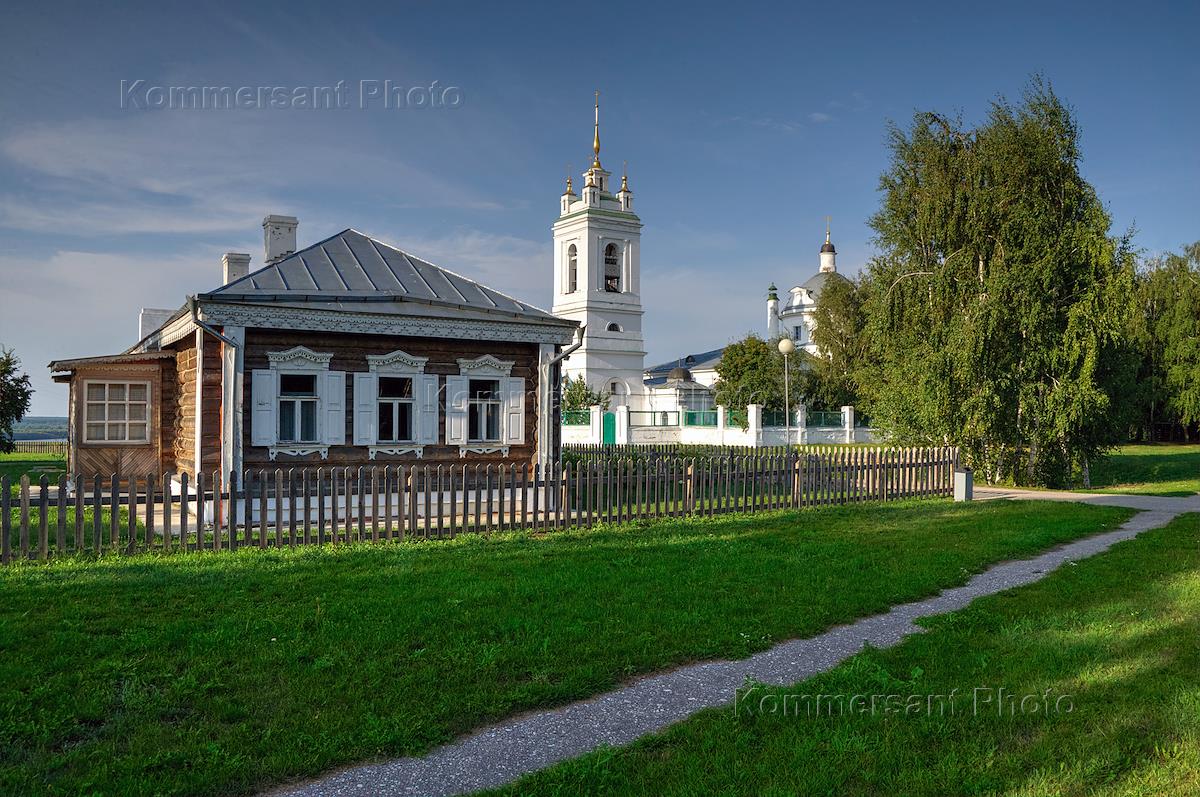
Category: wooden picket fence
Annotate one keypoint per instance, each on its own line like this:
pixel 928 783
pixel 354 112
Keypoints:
pixel 51 447
pixel 317 506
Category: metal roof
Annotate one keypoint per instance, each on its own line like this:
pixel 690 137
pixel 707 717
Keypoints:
pixel 351 267
pixel 693 362
pixel 111 359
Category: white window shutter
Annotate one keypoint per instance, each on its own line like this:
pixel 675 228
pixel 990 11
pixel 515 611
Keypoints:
pixel 333 400
pixel 366 391
pixel 456 410
pixel 514 411
pixel 427 413
pixel 263 423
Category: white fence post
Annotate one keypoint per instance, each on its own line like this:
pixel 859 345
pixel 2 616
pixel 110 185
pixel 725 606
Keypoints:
pixel 755 422
pixel 848 422
pixel 623 425
pixel 595 419
pixel 721 424
pixel 802 423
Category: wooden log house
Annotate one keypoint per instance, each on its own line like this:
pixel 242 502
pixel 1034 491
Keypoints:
pixel 349 351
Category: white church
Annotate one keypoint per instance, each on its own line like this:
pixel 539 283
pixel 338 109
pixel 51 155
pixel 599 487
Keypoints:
pixel 597 281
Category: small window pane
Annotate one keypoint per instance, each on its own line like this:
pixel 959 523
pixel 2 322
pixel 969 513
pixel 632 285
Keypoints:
pixel 297 385
pixel 137 412
pixel 485 389
pixel 404 427
pixel 395 387
pixel 493 422
pixel 116 431
pixel 95 412
pixel 137 392
pixel 387 426
pixel 116 392
pixel 287 421
pixel 95 431
pixel 137 431
pixel 95 392
pixel 308 421
pixel 116 412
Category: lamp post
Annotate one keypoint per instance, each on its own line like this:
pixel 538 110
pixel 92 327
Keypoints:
pixel 786 347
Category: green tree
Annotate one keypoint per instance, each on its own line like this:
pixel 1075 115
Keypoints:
pixel 997 307
pixel 830 378
pixel 750 372
pixel 15 395
pixel 1165 328
pixel 576 395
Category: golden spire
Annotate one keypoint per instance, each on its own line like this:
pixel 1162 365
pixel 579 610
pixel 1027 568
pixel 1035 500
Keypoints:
pixel 625 177
pixel 569 190
pixel 827 220
pixel 596 138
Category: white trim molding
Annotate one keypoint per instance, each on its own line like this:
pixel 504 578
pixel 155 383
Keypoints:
pixel 300 358
pixel 298 451
pixel 395 450
pixel 482 449
pixel 320 320
pixel 396 362
pixel 485 366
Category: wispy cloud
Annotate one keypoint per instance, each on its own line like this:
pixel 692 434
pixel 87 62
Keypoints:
pixel 819 117
pixel 767 123
pixel 195 173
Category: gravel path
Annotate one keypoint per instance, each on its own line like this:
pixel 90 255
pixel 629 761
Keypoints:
pixel 501 753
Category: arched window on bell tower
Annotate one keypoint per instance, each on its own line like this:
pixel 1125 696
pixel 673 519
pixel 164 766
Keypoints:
pixel 612 269
pixel 572 269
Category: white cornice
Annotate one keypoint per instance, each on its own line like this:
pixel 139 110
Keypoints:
pixel 317 320
pixel 487 365
pixel 298 355
pixel 396 362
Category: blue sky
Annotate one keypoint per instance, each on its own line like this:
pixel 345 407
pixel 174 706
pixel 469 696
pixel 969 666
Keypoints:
pixel 743 126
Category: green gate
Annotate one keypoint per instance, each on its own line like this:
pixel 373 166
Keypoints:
pixel 608 429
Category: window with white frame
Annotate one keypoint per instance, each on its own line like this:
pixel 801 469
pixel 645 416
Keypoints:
pixel 395 405
pixel 116 412
pixel 485 406
pixel 395 408
pixel 572 269
pixel 297 405
pixel 612 269
pixel 297 408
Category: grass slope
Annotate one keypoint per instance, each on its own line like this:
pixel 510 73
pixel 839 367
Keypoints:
pixel 1119 634
pixel 1150 470
pixel 220 673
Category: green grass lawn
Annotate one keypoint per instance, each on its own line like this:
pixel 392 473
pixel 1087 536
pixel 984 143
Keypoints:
pixel 1118 634
pixel 16 465
pixel 1163 469
pixel 221 673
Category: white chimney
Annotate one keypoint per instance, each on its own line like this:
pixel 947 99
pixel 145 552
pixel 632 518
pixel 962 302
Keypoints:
pixel 150 319
pixel 279 236
pixel 234 266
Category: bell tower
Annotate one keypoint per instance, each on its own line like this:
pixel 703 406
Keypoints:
pixel 597 281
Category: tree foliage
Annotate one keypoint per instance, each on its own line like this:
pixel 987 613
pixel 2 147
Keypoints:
pixel 751 372
pixel 829 379
pixel 1165 328
pixel 996 309
pixel 576 395
pixel 15 395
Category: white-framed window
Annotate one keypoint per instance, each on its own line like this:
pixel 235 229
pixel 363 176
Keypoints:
pixel 612 269
pixel 485 406
pixel 116 411
pixel 298 401
pixel 298 404
pixel 572 269
pixel 395 410
pixel 395 405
